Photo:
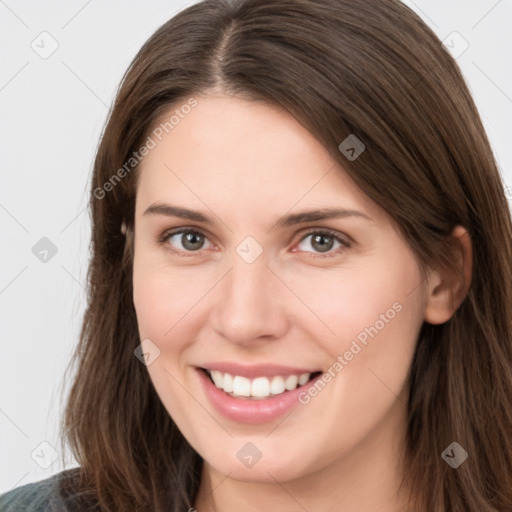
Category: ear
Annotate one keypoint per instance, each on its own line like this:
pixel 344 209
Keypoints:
pixel 448 287
pixel 123 228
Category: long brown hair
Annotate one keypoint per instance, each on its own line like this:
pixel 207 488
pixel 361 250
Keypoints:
pixel 368 68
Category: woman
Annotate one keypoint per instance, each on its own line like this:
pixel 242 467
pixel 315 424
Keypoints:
pixel 300 286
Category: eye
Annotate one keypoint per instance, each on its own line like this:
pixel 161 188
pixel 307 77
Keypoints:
pixel 186 240
pixel 323 242
pixel 189 241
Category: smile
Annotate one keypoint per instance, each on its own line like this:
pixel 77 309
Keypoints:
pixel 263 387
pixel 252 394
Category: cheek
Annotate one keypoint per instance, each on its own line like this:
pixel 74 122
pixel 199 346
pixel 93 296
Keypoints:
pixel 162 298
pixel 359 302
pixel 371 320
pixel 377 329
pixel 160 303
pixel 152 302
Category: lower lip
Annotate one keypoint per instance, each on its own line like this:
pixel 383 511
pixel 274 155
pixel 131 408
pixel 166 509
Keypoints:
pixel 251 411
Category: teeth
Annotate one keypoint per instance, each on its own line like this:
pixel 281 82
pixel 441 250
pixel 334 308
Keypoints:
pixel 260 387
pixel 277 385
pixel 241 386
pixel 304 378
pixel 218 378
pixel 291 382
pixel 228 383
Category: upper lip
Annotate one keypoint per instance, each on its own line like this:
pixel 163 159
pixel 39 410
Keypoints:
pixel 256 370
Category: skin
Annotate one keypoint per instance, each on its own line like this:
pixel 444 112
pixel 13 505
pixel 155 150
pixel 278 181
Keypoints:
pixel 247 164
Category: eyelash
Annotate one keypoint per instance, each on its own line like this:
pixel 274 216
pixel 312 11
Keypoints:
pixel 168 234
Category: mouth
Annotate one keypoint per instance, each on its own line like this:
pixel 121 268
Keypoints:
pixel 259 388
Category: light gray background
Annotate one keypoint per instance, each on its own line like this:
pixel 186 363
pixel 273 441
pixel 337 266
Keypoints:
pixel 52 111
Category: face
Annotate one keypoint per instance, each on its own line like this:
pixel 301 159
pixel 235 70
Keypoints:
pixel 267 298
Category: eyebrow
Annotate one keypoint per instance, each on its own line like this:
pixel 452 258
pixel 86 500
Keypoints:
pixel 286 221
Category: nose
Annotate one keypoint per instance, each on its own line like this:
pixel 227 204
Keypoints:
pixel 250 303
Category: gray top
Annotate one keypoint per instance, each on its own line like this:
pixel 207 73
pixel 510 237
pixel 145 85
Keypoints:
pixel 42 496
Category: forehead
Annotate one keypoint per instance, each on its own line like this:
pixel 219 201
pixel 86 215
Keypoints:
pixel 249 155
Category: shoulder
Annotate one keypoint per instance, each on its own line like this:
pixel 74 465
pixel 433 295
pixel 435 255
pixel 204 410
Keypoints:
pixel 45 495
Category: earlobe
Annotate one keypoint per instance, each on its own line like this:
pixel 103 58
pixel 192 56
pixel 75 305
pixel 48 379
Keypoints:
pixel 447 288
pixel 123 228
